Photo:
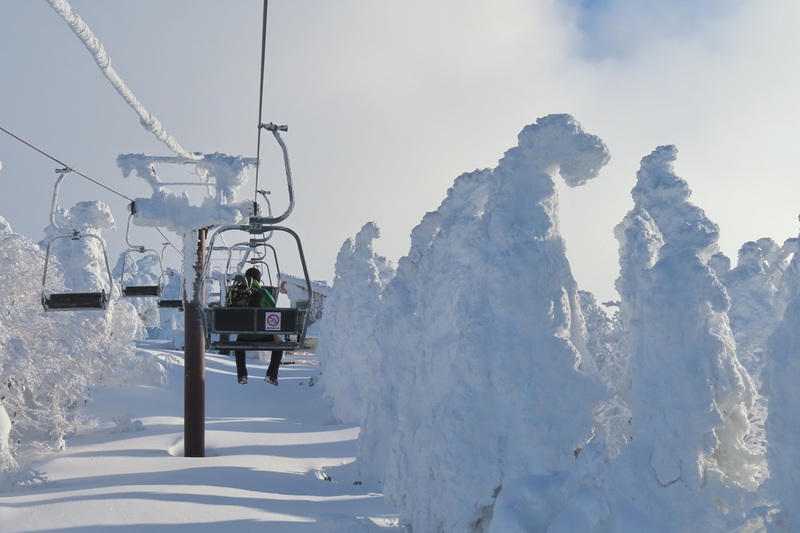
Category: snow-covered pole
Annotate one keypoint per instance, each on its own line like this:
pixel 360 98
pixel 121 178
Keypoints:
pixel 173 210
pixel 166 208
pixel 194 392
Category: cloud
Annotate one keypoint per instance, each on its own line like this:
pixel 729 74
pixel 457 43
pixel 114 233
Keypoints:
pixel 620 28
pixel 387 107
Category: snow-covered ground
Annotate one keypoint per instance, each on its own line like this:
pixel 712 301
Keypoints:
pixel 276 460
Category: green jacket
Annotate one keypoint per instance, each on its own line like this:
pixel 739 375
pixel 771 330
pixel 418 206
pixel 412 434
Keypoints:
pixel 265 298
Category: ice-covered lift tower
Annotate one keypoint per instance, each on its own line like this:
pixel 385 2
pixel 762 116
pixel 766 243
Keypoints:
pixel 219 178
pixel 220 175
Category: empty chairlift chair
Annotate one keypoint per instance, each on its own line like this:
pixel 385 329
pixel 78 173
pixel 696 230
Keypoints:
pixel 65 299
pixel 131 290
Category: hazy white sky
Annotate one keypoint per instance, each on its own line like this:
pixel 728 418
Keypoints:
pixel 387 102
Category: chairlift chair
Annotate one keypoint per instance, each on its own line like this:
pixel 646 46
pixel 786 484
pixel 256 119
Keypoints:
pixel 139 291
pixel 168 303
pixel 69 300
pixel 225 321
pixel 283 328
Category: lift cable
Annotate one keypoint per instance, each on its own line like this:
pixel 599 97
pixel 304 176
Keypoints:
pixel 95 48
pixel 23 141
pixel 81 174
pixel 260 102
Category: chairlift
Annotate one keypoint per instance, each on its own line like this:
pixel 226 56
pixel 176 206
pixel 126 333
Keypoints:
pixel 284 328
pixel 165 302
pixel 139 291
pixel 69 300
pixel 234 260
pixel 170 303
pixel 255 254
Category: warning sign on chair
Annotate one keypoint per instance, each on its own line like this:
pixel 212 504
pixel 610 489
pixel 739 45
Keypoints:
pixel 272 321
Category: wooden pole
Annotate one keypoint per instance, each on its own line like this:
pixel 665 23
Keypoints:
pixel 194 393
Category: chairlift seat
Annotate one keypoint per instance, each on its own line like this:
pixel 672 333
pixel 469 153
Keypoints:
pixel 70 301
pixel 141 290
pixel 171 304
pixel 250 322
pixel 279 320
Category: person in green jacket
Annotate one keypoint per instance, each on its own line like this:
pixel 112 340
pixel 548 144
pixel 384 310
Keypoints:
pixel 260 297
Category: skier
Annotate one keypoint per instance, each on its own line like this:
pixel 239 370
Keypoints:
pixel 252 294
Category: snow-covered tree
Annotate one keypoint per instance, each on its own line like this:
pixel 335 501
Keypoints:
pixel 689 395
pixel 781 375
pixel 753 287
pixel 488 282
pixel 608 348
pixel 7 461
pixel 349 362
pixel 780 378
pixel 49 361
pixel 401 318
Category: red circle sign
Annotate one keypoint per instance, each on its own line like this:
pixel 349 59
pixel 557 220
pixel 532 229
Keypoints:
pixel 273 319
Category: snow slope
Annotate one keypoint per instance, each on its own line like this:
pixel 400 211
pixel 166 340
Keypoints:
pixel 274 461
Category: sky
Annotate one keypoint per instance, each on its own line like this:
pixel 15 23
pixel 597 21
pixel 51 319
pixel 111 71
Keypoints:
pixel 386 107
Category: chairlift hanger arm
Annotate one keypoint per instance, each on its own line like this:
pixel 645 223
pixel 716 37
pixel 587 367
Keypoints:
pixel 131 290
pixel 300 252
pixel 275 129
pixel 62 172
pixel 136 247
pixel 220 233
pixel 140 248
pixel 250 253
